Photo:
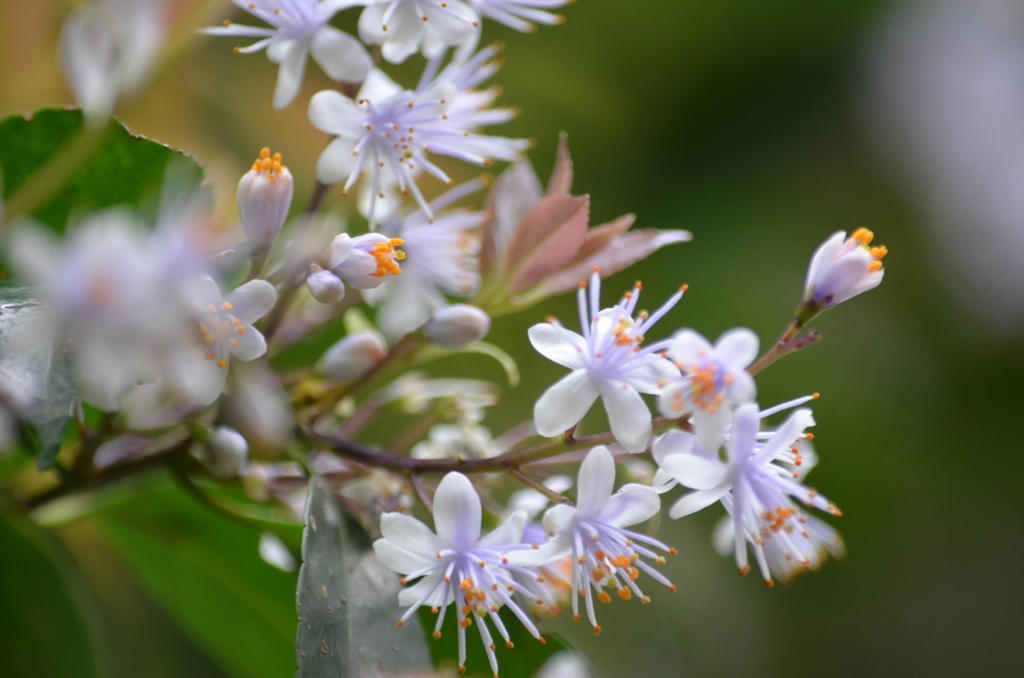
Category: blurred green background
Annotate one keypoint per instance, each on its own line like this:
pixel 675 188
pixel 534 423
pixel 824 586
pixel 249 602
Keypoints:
pixel 740 121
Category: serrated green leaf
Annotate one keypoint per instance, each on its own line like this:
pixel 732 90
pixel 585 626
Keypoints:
pixel 348 602
pixel 120 167
pixel 204 569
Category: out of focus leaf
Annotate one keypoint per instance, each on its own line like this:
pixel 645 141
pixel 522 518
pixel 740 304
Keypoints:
pixel 348 602
pixel 122 168
pixel 206 571
pixel 45 626
pixel 37 372
pixel 546 239
pixel 561 176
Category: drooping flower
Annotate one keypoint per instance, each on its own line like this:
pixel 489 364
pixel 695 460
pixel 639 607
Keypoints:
pixel 441 258
pixel 224 331
pixel 842 268
pixel 264 196
pixel 402 27
pixel 365 261
pixel 604 553
pixel 300 28
pixel 607 361
pixel 457 564
pixel 521 15
pixel 388 131
pixel 756 485
pixel 713 379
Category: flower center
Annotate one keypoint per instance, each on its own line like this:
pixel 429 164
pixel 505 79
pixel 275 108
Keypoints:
pixel 219 330
pixel 267 165
pixel 387 257
pixel 863 238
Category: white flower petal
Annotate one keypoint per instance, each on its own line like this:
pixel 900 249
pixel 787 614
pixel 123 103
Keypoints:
pixel 289 75
pixel 596 482
pixel 737 347
pixel 564 404
pixel 252 301
pixel 652 375
pixel 632 504
pixel 335 113
pixel 336 162
pixel 340 55
pixel 457 511
pixel 509 532
pixel 710 427
pixel 628 415
pixel 413 594
pixel 396 558
pixel 695 472
pixel 672 443
pixel 743 388
pixel 410 534
pixel 786 435
pixel 560 346
pixel 688 346
pixel 695 501
pixel 743 435
pixel 251 345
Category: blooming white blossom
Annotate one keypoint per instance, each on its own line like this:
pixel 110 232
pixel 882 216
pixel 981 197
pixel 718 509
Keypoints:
pixel 713 379
pixel 402 27
pixel 365 261
pixel 755 484
pixel 107 48
pixel 441 257
pixel 522 15
pixel 224 330
pixel 390 130
pixel 607 361
pixel 264 196
pixel 604 553
pixel 463 440
pixel 842 268
pixel 457 564
pixel 300 28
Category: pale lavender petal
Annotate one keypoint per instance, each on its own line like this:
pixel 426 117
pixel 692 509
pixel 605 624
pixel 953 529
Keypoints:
pixel 564 404
pixel 596 482
pixel 628 415
pixel 457 511
pixel 558 345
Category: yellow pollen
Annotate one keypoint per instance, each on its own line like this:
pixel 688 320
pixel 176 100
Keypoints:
pixel 226 306
pixel 399 622
pixel 509 644
pixel 744 570
pixel 223 362
pixel 879 252
pixel 625 594
pixel 269 165
pixel 597 630
pixel 604 597
pixel 437 634
pixel 875 265
pixel 863 236
pixel 576 618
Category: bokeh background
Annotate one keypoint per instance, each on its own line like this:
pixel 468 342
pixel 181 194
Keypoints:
pixel 762 128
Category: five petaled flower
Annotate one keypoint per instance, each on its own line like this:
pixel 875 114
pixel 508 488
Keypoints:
pixel 714 377
pixel 457 564
pixel 755 487
pixel 607 361
pixel 604 553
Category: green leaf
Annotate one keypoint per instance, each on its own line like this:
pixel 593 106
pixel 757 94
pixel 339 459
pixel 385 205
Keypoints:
pixel 506 361
pixel 39 370
pixel 348 602
pixel 92 168
pixel 46 627
pixel 206 571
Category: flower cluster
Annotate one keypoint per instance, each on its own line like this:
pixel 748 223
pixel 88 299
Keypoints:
pixel 156 336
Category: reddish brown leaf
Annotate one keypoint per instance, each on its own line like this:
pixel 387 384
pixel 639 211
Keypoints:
pixel 547 238
pixel 515 191
pixel 561 176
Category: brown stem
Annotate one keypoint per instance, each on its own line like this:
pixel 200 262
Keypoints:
pixel 779 349
pixel 421 492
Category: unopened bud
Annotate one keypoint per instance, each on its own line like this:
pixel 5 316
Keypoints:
pixel 226 451
pixel 353 356
pixel 457 326
pixel 325 287
pixel 842 268
pixel 264 197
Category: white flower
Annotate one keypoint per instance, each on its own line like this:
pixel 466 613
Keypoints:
pixel 604 553
pixel 388 131
pixel 842 268
pixel 755 487
pixel 465 440
pixel 111 290
pixel 107 47
pixel 456 564
pixel 264 195
pixel 353 356
pixel 300 28
pixel 441 257
pixel 520 14
pixel 224 330
pixel 714 378
pixel 402 27
pixel 607 361
pixel 365 261
pixel 457 326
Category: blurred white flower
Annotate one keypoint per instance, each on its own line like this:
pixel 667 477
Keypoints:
pixel 264 196
pixel 365 261
pixel 465 440
pixel 522 15
pixel 842 268
pixel 107 48
pixel 353 356
pixel 607 361
pixel 457 326
pixel 301 28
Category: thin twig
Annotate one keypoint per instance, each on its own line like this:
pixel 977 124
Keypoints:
pixel 538 486
pixel 421 493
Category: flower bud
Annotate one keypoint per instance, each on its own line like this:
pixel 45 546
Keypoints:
pixel 365 261
pixel 842 268
pixel 264 197
pixel 325 287
pixel 457 326
pixel 226 451
pixel 353 356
